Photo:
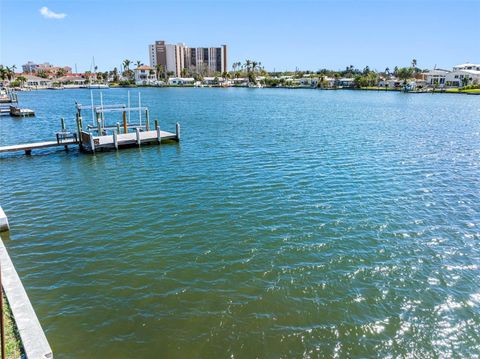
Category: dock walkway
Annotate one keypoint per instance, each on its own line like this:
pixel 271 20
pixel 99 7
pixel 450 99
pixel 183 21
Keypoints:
pixel 28 147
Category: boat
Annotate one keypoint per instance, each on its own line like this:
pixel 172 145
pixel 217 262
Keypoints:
pixel 97 86
pixel 91 85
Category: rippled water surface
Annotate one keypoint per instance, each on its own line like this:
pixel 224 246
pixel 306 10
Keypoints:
pixel 287 223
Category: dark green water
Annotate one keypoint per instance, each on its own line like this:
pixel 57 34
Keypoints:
pixel 285 224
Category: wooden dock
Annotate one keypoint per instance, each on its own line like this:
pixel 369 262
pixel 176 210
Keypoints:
pixel 100 136
pixel 28 147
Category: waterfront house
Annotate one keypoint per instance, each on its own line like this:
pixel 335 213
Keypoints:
pixel 459 78
pixel 467 66
pixel 345 82
pixel 145 75
pixel 307 81
pixel 240 81
pixel 213 80
pixel 436 77
pixel 390 83
pixel 175 81
pixel 37 82
pixel 73 81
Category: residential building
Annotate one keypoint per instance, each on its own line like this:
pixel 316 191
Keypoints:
pixel 145 75
pixel 37 82
pixel 462 75
pixel 467 66
pixel 71 80
pixel 31 67
pixel 390 83
pixel 181 81
pixel 176 58
pixel 436 77
pixel 459 78
pixel 345 82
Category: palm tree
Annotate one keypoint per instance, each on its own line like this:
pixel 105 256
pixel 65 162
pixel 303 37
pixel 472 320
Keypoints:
pixel 10 72
pixel 387 71
pixel 247 65
pixel 184 72
pixel 22 80
pixel 139 63
pixel 254 66
pixel 126 64
pixel 61 72
pixel 160 71
pixel 414 63
pixel 115 74
pixel 3 72
pixel 320 81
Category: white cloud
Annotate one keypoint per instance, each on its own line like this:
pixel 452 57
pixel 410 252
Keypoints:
pixel 49 14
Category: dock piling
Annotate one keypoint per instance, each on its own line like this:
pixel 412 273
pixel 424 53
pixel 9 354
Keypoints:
pixel 125 128
pixel 177 131
pixel 115 139
pixel 147 120
pixel 137 131
pixel 92 143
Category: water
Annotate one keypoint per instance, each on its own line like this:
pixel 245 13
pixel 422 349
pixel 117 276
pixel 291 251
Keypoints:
pixel 287 223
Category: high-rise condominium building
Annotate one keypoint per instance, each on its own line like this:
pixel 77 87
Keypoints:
pixel 175 58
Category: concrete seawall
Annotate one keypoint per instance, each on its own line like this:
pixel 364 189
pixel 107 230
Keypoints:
pixel 33 338
pixel 4 226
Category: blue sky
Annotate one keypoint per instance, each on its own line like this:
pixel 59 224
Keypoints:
pixel 280 34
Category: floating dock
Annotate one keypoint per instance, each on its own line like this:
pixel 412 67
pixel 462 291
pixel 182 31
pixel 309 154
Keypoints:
pixel 101 135
pixel 7 107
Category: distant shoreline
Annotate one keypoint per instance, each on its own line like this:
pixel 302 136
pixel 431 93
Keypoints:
pixel 371 89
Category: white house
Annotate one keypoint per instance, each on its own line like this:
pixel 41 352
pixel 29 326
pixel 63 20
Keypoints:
pixel 459 78
pixel 436 77
pixel 37 82
pixel 467 66
pixel 308 81
pixel 240 81
pixel 213 80
pixel 145 75
pixel 390 83
pixel 72 80
pixel 181 81
pixel 345 82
